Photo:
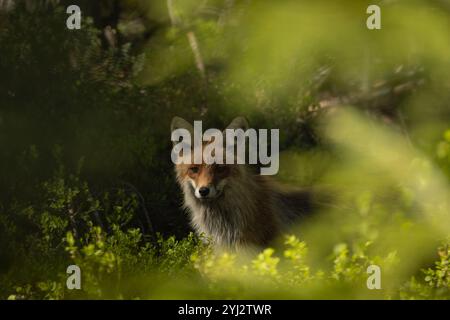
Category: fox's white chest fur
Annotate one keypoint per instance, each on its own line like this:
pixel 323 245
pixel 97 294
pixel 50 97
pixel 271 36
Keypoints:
pixel 250 212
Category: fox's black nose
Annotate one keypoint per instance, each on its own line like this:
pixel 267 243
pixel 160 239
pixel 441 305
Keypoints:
pixel 204 191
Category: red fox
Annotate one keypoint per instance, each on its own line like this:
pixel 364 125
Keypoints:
pixel 233 206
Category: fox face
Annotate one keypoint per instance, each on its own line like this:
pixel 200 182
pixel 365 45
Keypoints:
pixel 206 182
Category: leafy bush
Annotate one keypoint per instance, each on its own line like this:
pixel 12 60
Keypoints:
pixel 84 135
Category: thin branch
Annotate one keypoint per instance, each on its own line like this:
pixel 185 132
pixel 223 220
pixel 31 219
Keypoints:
pixel 192 38
pixel 197 55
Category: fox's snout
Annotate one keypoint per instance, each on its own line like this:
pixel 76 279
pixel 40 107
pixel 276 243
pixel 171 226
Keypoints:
pixel 203 191
pixel 206 191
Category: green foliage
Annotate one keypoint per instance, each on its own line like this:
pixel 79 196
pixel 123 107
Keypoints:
pixel 435 281
pixel 443 152
pixel 86 175
pixel 110 261
pixel 440 275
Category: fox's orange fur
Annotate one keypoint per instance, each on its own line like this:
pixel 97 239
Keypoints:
pixel 241 209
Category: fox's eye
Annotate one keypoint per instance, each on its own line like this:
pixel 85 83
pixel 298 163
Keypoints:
pixel 193 169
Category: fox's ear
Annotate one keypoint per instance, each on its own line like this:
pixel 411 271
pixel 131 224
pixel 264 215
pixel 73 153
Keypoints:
pixel 180 123
pixel 238 123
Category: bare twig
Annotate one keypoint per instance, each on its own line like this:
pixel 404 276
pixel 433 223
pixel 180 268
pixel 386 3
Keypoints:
pixel 193 42
pixel 197 55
